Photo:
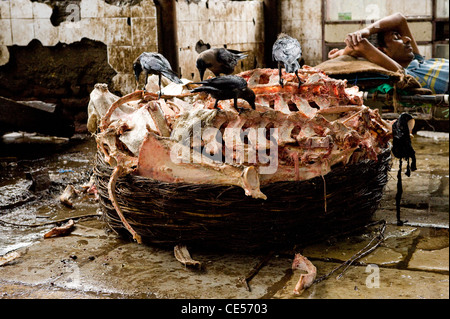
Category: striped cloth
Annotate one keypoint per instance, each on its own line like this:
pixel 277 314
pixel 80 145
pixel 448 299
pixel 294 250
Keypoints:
pixel 431 74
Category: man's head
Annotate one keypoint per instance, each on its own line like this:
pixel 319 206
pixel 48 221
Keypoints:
pixel 396 46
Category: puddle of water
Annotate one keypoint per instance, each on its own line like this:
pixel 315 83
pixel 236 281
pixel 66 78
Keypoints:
pixel 66 163
pixel 72 162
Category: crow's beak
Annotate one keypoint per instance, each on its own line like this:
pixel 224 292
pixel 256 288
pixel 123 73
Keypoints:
pixel 137 71
pixel 250 97
pixel 411 124
pixel 202 73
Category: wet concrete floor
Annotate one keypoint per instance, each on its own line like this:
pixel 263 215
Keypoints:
pixel 411 263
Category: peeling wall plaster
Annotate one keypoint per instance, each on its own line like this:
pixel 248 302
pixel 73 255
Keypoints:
pixel 117 31
pixel 129 27
pixel 127 30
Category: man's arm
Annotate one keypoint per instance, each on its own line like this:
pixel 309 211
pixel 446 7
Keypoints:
pixel 366 50
pixel 395 22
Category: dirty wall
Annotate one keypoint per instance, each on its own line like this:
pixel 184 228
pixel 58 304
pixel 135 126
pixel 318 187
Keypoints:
pixel 56 51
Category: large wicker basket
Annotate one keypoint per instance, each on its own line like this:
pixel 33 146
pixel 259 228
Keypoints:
pixel 222 217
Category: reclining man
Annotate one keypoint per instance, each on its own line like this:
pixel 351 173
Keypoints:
pixel 396 50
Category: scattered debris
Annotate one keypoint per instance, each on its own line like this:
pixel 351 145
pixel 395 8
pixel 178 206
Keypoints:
pixel 306 280
pixel 40 180
pixel 370 247
pixel 9 257
pixel 69 193
pixel 183 256
pixel 246 280
pixel 90 188
pixel 61 231
pixel 65 170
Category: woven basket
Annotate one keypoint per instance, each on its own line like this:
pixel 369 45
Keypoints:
pixel 222 217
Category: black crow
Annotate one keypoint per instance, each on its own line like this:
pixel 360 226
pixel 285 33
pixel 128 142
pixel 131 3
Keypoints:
pixel 401 141
pixel 287 50
pixel 217 60
pixel 227 87
pixel 154 63
pixel 402 149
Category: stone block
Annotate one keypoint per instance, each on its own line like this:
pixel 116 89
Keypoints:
pixel 231 32
pixel 236 11
pixel 6 34
pixel 418 8
pixel 21 9
pixel 94 29
pixel 338 32
pixel 201 10
pixel 308 10
pixel 183 11
pixel 144 31
pixel 145 9
pixel 433 239
pixel 442 10
pixel 422 30
pixel 22 31
pixel 215 9
pixel 92 8
pixel 395 6
pixel 70 32
pixel 311 51
pixel 41 11
pixel 186 33
pixel 45 32
pixel 218 32
pixel 5 10
pixel 121 58
pixel 113 11
pixel 118 31
pixel 251 32
pixel 436 260
pixel 312 32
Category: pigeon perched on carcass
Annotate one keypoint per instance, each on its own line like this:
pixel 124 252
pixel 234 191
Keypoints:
pixel 287 51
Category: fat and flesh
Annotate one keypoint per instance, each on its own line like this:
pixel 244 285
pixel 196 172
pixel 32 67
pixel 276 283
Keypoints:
pixel 318 125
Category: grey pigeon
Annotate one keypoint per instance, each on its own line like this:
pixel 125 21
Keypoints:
pixel 227 87
pixel 217 60
pixel 287 50
pixel 154 63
